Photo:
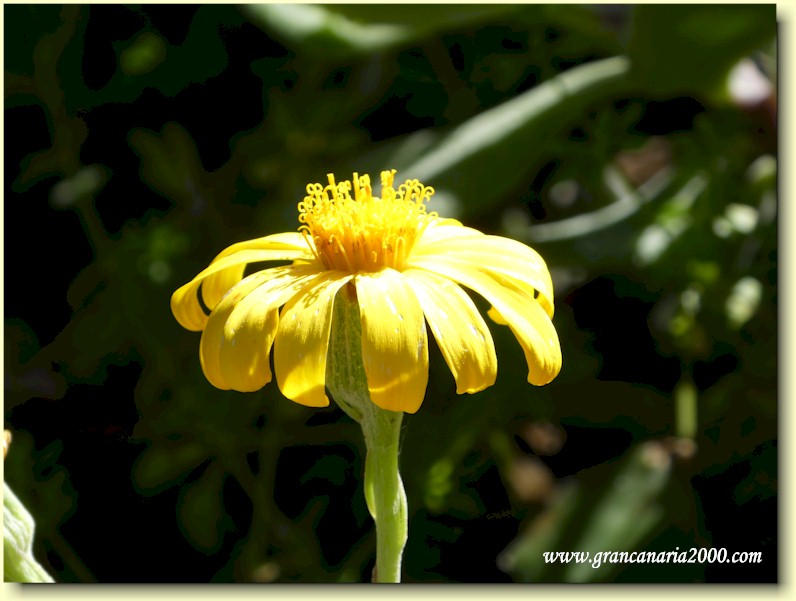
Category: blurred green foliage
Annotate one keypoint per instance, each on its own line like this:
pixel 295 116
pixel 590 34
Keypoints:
pixel 142 140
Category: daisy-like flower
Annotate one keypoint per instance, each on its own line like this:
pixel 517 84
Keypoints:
pixel 404 266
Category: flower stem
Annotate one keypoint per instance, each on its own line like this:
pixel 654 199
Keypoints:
pixel 384 490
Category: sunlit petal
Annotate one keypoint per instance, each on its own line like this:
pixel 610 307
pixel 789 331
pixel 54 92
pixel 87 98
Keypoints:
pixel 461 334
pixel 527 319
pixel 439 230
pixel 303 340
pixel 503 258
pixel 227 269
pixel 216 285
pixel 236 341
pixel 394 340
pixel 291 243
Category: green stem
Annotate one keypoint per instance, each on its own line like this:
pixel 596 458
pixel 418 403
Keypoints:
pixel 384 490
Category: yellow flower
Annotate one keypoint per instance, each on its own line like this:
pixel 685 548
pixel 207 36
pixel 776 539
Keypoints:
pixel 403 265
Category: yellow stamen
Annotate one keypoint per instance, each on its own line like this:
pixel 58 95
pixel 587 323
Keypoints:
pixel 364 233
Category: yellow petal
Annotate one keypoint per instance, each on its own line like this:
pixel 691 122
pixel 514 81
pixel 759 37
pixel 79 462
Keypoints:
pixel 236 342
pixel 394 340
pixel 227 269
pixel 302 341
pixel 439 230
pixel 495 315
pixel 503 258
pixel 285 242
pixel 460 331
pixel 215 286
pixel 528 321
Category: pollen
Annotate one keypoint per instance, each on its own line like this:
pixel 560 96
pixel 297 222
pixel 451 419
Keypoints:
pixel 364 233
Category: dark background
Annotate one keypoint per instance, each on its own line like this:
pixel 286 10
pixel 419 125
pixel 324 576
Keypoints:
pixel 142 140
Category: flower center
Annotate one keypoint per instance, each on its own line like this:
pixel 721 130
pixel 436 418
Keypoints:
pixel 364 233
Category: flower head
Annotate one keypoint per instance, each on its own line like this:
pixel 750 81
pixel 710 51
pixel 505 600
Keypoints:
pixel 405 268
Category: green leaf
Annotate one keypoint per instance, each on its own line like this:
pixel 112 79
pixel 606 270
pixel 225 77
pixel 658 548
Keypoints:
pixel 494 151
pixel 626 513
pixel 335 32
pixel 200 512
pixel 524 557
pixel 160 467
pixel 144 54
pixel 687 49
pixel 618 520
pixel 170 163
pixel 19 565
